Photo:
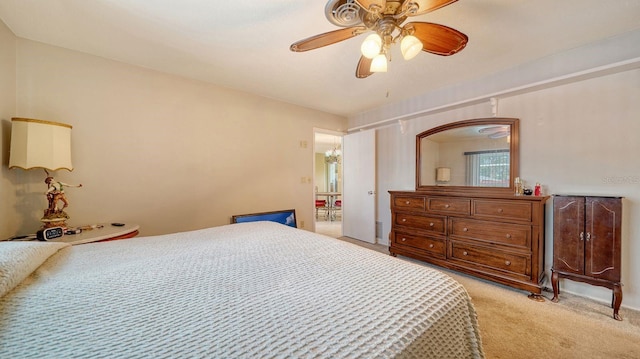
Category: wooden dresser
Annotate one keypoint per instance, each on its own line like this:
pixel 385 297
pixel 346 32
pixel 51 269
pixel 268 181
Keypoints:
pixel 495 237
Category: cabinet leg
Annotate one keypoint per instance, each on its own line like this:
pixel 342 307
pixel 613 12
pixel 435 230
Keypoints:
pixel 617 300
pixel 536 297
pixel 555 285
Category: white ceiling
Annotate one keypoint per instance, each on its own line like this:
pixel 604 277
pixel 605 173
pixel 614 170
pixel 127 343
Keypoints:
pixel 244 44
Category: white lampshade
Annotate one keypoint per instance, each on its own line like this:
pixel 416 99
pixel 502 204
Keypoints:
pixel 443 174
pixel 379 64
pixel 410 46
pixel 40 144
pixel 371 46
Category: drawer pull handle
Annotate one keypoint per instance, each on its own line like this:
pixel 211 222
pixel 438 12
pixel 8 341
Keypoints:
pixel 465 229
pixel 407 202
pixel 431 245
pixel 465 253
pixel 500 210
pixel 403 239
pixel 431 224
pixel 446 206
pixel 507 263
pixel 404 220
pixel 508 235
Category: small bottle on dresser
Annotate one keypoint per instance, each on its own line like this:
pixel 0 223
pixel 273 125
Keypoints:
pixel 518 186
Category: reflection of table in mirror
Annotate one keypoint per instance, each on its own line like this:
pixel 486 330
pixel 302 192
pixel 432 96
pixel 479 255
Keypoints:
pixel 331 202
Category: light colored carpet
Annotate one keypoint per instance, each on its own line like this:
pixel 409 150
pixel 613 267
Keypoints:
pixel 329 228
pixel 513 326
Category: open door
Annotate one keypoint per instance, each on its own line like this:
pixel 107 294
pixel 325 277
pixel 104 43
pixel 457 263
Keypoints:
pixel 359 182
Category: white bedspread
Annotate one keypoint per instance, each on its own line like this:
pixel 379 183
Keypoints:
pixel 248 290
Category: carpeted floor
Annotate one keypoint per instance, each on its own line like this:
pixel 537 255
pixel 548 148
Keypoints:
pixel 513 326
pixel 329 228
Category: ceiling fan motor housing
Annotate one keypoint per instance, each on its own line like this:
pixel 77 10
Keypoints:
pixel 343 13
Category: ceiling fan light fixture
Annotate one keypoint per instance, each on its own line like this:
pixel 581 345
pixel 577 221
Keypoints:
pixel 379 63
pixel 410 46
pixel 371 46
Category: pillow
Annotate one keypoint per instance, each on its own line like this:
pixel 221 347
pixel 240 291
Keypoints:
pixel 19 259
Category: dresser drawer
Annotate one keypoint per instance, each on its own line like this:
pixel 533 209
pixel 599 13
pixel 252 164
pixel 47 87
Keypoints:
pixel 449 205
pixel 434 246
pixel 516 235
pixel 405 202
pixel 502 209
pixel 490 258
pixel 435 224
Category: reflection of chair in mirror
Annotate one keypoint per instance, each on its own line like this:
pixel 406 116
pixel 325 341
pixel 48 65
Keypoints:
pixel 321 205
pixel 337 206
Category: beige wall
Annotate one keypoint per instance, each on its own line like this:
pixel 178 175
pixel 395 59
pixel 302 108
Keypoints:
pixel 168 153
pixel 578 138
pixel 9 219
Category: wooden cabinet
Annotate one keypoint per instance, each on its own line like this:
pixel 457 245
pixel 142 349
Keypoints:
pixel 495 237
pixel 586 243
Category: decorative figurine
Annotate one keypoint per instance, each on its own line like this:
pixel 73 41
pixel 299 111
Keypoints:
pixel 55 216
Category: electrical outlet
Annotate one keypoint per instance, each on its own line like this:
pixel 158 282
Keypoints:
pixel 301 224
pixel 303 144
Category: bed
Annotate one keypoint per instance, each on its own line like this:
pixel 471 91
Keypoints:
pixel 246 290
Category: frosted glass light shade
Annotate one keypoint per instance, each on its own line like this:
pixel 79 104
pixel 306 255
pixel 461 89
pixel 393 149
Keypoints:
pixel 410 46
pixel 371 46
pixel 40 144
pixel 379 64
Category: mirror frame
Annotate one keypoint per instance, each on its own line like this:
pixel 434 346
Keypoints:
pixel 514 156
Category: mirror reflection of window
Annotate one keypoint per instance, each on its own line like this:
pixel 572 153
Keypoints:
pixel 487 168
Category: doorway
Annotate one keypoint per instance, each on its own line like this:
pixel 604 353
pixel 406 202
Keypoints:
pixel 327 182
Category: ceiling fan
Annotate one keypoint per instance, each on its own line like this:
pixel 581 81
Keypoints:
pixel 385 18
pixel 494 132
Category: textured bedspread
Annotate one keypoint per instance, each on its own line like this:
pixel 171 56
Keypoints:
pixel 249 290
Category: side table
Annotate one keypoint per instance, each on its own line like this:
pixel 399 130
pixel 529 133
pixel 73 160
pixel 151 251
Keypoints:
pixel 107 233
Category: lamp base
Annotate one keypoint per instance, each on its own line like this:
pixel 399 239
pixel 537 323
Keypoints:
pixel 58 219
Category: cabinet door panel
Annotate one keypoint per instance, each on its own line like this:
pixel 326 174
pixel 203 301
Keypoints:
pixel 568 234
pixel 602 222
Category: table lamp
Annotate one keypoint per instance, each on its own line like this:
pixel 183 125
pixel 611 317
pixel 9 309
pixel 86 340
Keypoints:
pixel 46 145
pixel 443 174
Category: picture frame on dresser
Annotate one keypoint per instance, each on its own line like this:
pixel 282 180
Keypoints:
pixel 474 223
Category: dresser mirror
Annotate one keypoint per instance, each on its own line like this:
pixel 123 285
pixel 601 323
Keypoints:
pixel 478 155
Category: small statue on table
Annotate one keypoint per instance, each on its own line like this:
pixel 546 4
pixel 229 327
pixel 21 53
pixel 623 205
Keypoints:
pixel 55 216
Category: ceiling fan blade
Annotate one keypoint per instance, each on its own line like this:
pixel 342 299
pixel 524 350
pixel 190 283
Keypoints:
pixel 425 6
pixel 438 39
pixel 327 38
pixel 366 4
pixel 364 68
